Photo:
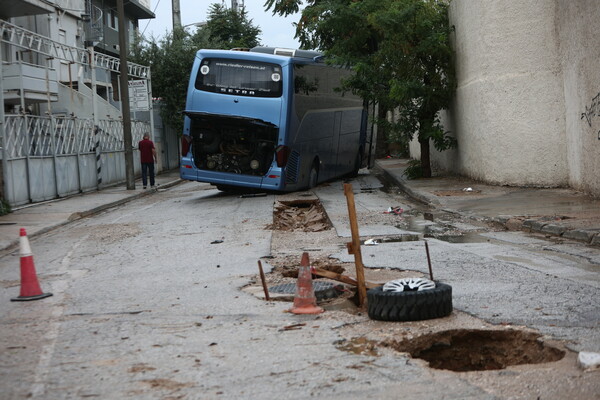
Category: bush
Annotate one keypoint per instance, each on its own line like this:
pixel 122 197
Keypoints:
pixel 413 171
pixel 4 207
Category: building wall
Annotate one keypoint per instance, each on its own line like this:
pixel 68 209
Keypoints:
pixel 579 24
pixel 526 72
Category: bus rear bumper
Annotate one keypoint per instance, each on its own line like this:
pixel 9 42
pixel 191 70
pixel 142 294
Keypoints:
pixel 271 182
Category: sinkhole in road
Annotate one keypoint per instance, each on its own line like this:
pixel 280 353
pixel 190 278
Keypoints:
pixel 464 350
pixel 306 215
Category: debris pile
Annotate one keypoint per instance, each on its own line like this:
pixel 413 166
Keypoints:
pixel 307 216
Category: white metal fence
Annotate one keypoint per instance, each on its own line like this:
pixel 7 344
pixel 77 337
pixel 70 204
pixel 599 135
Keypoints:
pixel 50 157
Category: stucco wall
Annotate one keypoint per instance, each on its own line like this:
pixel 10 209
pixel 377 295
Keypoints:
pixel 527 104
pixel 579 27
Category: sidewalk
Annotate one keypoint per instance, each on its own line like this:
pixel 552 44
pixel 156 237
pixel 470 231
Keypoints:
pixel 38 218
pixel 558 212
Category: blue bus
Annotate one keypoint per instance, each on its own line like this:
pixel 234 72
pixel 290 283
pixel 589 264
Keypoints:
pixel 269 119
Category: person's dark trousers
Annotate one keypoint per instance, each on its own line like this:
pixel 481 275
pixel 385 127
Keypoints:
pixel 147 169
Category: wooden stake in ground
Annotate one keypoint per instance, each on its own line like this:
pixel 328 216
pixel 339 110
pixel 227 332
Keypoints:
pixel 264 283
pixel 354 247
pixel 429 261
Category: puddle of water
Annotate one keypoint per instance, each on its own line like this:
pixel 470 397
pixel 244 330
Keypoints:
pixel 464 238
pixel 398 239
pixel 359 346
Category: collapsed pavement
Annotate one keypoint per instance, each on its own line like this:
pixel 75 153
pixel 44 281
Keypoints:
pixel 488 330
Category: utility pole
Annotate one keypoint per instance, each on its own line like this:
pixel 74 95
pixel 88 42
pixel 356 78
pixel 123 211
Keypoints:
pixel 176 13
pixel 124 83
pixel 237 5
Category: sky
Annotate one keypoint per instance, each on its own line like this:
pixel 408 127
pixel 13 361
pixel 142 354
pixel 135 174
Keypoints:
pixel 276 31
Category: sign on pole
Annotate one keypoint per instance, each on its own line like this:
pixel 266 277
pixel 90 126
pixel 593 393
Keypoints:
pixel 138 95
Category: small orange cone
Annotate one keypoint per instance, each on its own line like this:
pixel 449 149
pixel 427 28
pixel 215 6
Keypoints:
pixel 30 288
pixel 305 301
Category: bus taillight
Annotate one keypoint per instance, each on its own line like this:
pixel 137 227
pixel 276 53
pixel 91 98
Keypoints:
pixel 185 144
pixel 281 155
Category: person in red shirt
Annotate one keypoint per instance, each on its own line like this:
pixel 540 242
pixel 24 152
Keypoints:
pixel 148 158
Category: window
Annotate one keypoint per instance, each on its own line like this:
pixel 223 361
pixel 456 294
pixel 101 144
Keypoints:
pixel 239 78
pixel 112 20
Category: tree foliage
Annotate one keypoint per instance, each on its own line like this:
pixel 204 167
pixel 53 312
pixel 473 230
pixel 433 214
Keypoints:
pixel 228 28
pixel 171 57
pixel 400 53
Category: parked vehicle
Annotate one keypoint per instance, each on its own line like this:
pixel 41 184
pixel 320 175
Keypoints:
pixel 269 119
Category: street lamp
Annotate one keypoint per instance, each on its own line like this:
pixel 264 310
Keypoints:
pixel 196 24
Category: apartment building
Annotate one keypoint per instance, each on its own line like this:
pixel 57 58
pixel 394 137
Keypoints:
pixel 62 124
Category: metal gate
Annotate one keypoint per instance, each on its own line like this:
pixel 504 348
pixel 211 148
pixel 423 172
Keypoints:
pixel 48 157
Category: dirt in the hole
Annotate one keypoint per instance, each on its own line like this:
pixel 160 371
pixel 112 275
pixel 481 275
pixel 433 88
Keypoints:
pixel 478 350
pixel 300 215
pixel 288 266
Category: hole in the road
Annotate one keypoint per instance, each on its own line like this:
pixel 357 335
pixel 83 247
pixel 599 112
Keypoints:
pixel 479 350
pixel 289 269
pixel 300 215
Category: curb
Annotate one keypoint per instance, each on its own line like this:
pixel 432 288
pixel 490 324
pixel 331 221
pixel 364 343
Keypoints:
pixel 427 200
pixel 587 236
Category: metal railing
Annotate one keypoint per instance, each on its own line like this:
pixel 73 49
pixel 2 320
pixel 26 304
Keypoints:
pixel 26 39
pixel 29 135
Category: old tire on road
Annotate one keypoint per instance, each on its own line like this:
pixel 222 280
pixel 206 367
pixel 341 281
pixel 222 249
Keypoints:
pixel 410 305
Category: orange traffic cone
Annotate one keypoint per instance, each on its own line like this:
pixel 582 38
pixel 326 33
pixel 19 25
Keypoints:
pixel 305 301
pixel 30 288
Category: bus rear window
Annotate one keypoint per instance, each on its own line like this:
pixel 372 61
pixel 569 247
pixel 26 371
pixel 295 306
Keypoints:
pixel 239 77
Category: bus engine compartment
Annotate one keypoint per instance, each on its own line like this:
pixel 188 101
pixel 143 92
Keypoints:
pixel 232 144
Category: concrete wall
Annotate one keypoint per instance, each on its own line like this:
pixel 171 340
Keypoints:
pixel 579 31
pixel 526 72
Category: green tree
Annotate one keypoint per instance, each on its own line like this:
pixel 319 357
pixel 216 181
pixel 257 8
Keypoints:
pixel 171 57
pixel 228 28
pixel 400 53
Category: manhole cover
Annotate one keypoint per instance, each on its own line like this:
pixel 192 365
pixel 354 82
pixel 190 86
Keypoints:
pixel 323 290
pixel 479 350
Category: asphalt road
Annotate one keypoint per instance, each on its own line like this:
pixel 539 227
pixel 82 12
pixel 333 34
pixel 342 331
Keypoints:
pixel 148 304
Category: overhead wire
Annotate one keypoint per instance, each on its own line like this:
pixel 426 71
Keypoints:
pixel 148 23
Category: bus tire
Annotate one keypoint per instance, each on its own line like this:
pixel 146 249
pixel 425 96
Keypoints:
pixel 410 305
pixel 313 177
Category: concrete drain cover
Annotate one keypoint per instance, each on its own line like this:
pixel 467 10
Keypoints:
pixel 479 350
pixel 323 290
